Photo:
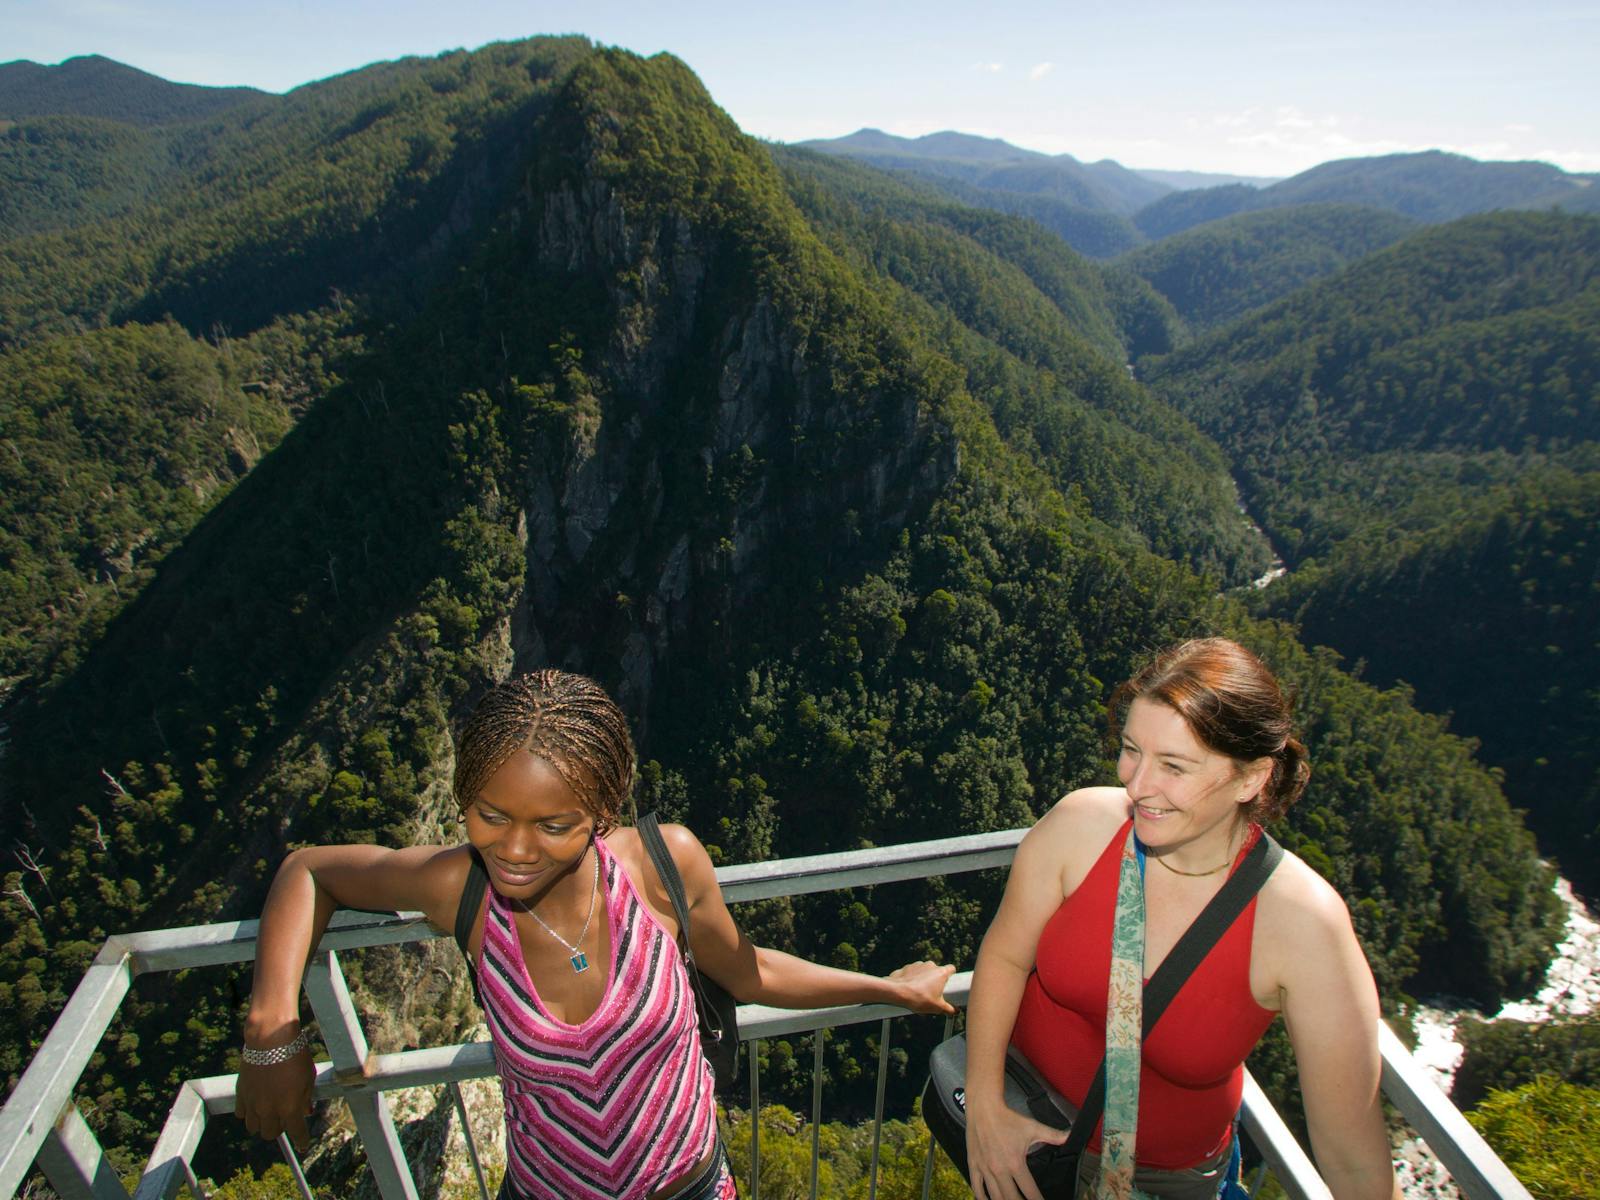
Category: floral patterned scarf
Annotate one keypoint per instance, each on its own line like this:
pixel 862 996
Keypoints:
pixel 1124 1021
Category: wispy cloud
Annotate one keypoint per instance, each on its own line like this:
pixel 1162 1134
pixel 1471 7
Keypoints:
pixel 1040 70
pixel 989 68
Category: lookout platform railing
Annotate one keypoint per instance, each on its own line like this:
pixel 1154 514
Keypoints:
pixel 41 1125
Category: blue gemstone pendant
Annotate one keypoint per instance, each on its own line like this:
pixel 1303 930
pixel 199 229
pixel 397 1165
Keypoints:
pixel 580 962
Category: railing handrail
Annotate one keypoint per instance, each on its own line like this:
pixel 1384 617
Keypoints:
pixel 46 1086
pixel 42 1100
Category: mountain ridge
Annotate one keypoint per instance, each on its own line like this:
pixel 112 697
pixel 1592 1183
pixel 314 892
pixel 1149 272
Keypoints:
pixel 92 85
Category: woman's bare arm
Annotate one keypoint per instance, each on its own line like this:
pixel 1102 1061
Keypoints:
pixel 762 975
pixel 998 1139
pixel 310 885
pixel 1330 1006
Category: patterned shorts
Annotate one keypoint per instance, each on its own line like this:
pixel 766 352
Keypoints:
pixel 714 1183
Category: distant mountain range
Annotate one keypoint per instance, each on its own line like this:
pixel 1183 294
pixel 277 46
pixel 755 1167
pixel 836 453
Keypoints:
pixel 1104 209
pixel 93 86
pixel 954 148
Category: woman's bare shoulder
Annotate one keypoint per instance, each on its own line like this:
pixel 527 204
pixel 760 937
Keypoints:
pixel 1070 836
pixel 1299 910
pixel 1087 810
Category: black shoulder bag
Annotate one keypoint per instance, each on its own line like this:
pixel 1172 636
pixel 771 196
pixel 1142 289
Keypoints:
pixel 716 1010
pixel 1055 1168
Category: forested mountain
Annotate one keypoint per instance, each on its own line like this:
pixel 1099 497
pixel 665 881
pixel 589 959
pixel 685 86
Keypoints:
pixel 999 166
pixel 1088 205
pixel 1428 186
pixel 1185 181
pixel 93 86
pixel 842 489
pixel 1420 437
pixel 1221 270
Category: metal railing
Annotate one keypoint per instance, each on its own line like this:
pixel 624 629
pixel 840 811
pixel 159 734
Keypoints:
pixel 40 1123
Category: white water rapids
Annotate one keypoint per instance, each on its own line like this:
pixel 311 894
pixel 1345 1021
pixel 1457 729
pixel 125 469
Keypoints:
pixel 1571 988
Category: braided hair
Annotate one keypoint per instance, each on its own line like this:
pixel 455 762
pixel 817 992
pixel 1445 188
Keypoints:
pixel 569 721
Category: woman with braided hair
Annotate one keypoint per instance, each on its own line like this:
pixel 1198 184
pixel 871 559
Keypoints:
pixel 588 1002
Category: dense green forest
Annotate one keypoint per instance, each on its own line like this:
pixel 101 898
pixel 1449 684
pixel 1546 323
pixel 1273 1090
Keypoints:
pixel 1418 437
pixel 529 356
pixel 94 86
pixel 1222 270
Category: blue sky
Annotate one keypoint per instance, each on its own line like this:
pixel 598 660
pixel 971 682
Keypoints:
pixel 1242 86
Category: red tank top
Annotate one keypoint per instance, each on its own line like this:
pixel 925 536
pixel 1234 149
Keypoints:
pixel 1192 1072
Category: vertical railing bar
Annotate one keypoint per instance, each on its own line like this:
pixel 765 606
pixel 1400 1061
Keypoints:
pixel 46 1087
pixel 340 1026
pixel 73 1161
pixel 816 1105
pixel 194 1184
pixel 927 1163
pixel 293 1159
pixel 877 1109
pixel 755 1120
pixel 466 1132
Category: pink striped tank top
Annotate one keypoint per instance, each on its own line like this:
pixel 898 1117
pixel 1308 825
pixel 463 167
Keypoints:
pixel 621 1104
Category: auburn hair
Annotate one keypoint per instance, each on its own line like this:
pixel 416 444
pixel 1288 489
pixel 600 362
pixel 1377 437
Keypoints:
pixel 1233 705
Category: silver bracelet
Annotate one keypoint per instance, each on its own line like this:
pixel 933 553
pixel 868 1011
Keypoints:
pixel 278 1054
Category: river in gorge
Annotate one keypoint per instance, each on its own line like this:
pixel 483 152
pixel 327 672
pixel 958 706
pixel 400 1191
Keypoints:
pixel 1571 988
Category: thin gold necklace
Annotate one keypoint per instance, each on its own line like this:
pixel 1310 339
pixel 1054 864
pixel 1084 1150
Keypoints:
pixel 578 959
pixel 1223 866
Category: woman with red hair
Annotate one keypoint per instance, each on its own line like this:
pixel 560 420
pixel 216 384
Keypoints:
pixel 1207 758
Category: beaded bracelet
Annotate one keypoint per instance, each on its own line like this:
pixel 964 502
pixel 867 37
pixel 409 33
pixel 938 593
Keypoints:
pixel 278 1054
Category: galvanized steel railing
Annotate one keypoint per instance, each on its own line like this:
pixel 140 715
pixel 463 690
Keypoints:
pixel 41 1125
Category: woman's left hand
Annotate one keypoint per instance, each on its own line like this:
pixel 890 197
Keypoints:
pixel 923 985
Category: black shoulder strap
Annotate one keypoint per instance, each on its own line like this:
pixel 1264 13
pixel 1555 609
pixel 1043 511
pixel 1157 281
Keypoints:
pixel 650 835
pixel 467 912
pixel 1174 971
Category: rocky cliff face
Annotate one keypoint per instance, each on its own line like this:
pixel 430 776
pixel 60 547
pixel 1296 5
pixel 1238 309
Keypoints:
pixel 710 437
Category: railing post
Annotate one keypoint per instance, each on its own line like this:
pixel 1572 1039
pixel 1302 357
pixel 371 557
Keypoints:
pixel 1472 1163
pixel 74 1163
pixel 45 1090
pixel 341 1031
pixel 755 1119
pixel 816 1106
pixel 168 1168
pixel 292 1160
pixel 927 1165
pixel 472 1142
pixel 877 1108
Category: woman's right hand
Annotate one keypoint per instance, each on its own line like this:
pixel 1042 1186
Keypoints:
pixel 998 1141
pixel 277 1099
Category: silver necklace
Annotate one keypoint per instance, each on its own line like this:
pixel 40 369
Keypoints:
pixel 578 959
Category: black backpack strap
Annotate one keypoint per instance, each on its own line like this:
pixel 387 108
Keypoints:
pixel 1204 933
pixel 1207 929
pixel 650 834
pixel 467 913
